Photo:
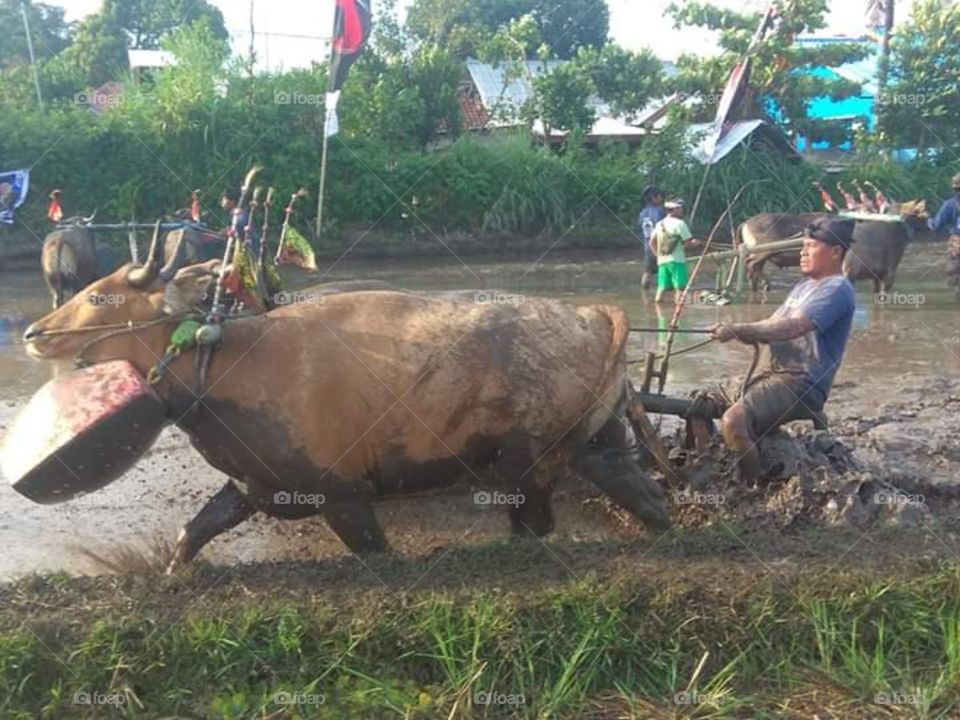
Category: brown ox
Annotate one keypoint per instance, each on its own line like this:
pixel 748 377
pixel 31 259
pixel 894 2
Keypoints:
pixel 373 394
pixel 875 256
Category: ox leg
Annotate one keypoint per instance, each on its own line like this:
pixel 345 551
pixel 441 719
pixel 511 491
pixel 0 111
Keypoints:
pixel 356 525
pixel 531 481
pixel 225 510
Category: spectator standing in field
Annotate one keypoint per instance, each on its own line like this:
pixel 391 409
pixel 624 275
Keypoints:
pixel 650 216
pixel 671 237
pixel 948 220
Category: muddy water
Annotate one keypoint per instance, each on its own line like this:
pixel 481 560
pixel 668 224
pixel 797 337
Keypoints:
pixel 900 355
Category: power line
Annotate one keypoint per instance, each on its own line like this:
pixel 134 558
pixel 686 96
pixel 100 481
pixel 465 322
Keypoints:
pixel 325 38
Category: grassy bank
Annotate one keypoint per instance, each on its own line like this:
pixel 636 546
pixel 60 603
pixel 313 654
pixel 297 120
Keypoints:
pixel 693 638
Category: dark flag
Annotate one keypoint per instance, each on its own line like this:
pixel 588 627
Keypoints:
pixel 351 31
pixel 737 85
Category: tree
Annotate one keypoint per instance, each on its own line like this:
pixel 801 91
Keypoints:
pixel 561 99
pixel 98 53
pixel 464 26
pixel 783 80
pixel 921 106
pixel 885 10
pixel 626 81
pixel 567 25
pixel 48 30
pixel 146 22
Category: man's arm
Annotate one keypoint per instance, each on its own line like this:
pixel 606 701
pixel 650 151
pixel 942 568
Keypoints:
pixel 944 218
pixel 764 331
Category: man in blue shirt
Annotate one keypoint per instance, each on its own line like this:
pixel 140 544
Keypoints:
pixel 948 220
pixel 802 345
pixel 651 214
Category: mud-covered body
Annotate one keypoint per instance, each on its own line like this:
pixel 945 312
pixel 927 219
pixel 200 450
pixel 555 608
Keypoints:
pixel 320 407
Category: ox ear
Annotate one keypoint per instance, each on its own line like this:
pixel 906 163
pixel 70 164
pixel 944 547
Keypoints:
pixel 187 289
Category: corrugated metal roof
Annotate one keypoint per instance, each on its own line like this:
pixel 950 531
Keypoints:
pixel 502 90
pixel 736 135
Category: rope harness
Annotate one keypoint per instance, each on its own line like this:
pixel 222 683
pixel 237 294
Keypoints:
pixel 192 331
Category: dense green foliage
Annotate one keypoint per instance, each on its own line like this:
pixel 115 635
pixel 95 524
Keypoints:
pixel 921 107
pixel 402 166
pixel 630 649
pixel 465 26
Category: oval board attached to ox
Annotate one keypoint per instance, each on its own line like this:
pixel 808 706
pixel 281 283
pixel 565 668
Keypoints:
pixel 80 432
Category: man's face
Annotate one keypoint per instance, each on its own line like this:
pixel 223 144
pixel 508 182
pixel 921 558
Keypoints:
pixel 818 259
pixel 658 200
pixel 226 203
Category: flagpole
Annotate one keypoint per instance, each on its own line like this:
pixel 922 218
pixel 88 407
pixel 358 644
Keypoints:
pixel 323 180
pixel 33 59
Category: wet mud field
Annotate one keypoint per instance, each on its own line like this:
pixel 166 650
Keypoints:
pixel 880 486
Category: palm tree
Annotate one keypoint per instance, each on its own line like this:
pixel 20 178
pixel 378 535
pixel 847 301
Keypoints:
pixel 885 9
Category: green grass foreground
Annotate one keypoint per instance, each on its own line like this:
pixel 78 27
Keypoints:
pixel 839 644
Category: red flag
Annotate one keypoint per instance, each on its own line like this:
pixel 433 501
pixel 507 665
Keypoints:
pixel 351 30
pixel 54 211
pixel 737 85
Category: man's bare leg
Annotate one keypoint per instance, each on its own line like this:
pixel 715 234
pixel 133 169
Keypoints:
pixel 736 433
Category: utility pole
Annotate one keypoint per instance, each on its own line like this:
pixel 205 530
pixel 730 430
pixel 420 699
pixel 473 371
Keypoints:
pixel 33 59
pixel 253 37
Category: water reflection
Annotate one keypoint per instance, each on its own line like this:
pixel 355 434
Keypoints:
pixel 887 340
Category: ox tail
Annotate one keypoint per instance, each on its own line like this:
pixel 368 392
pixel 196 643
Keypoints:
pixel 58 276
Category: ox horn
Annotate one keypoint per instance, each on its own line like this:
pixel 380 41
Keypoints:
pixel 89 219
pixel 176 259
pixel 142 276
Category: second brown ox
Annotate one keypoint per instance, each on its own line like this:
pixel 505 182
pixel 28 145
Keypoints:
pixel 362 395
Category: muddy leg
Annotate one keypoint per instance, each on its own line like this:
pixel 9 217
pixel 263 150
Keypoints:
pixel 736 433
pixel 520 474
pixel 535 514
pixel 225 510
pixel 356 525
pixel 619 476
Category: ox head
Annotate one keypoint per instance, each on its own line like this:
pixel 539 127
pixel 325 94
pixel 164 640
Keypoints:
pixel 133 294
pixel 914 213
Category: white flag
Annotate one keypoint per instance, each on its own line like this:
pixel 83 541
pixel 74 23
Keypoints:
pixel 13 191
pixel 332 125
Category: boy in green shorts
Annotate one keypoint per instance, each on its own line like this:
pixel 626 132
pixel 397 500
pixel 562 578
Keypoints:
pixel 670 239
